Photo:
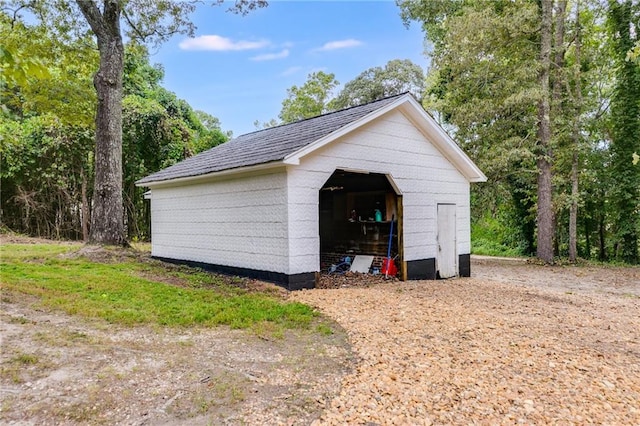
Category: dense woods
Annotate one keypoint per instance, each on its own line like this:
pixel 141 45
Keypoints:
pixel 47 131
pixel 543 95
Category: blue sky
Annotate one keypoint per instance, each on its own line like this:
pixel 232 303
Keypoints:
pixel 239 68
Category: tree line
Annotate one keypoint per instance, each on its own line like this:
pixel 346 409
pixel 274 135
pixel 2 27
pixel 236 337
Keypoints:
pixel 545 96
pixel 47 132
pixel 104 25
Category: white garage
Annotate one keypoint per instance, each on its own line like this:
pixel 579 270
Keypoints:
pixel 281 204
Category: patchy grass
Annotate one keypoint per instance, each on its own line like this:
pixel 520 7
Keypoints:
pixel 324 329
pixel 25 359
pixel 19 366
pixel 128 290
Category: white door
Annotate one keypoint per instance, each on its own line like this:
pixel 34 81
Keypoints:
pixel 447 259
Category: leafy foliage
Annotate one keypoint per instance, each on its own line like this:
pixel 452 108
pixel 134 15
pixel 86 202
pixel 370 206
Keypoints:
pixel 310 99
pixel 634 53
pixel 483 87
pixel 43 165
pixel 315 96
pixel 110 22
pixel 158 130
pixel 398 76
pixel 47 132
pixel 625 115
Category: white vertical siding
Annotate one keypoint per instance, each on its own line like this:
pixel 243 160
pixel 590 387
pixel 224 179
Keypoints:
pixel 390 145
pixel 240 222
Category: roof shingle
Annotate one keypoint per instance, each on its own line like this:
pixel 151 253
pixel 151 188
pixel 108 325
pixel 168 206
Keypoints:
pixel 264 146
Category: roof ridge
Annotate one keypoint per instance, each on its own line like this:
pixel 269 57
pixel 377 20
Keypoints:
pixel 325 114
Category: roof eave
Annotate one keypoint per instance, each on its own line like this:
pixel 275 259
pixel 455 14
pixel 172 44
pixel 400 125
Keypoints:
pixel 212 175
pixel 445 144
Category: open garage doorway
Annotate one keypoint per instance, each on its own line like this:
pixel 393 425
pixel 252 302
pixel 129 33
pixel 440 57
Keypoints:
pixel 356 213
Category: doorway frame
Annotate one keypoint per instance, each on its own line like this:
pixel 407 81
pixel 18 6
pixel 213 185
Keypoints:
pixel 399 228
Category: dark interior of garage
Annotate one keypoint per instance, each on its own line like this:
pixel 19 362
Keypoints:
pixel 356 213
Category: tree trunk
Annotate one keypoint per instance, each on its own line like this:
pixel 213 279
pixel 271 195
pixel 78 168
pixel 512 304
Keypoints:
pixel 557 106
pixel 545 188
pixel 558 60
pixel 602 245
pixel 573 210
pixel 107 218
pixel 587 238
pixel 107 215
pixel 85 208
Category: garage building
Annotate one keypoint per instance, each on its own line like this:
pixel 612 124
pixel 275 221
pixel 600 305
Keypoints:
pixel 283 203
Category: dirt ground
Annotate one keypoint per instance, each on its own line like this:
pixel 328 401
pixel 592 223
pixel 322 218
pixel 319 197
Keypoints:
pixel 578 279
pixel 517 343
pixel 61 370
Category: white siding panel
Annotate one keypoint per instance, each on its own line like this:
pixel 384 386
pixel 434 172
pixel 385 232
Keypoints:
pixel 304 214
pixel 245 215
pixel 303 196
pixel 464 226
pixel 239 222
pixel 258 261
pixel 304 247
pixel 300 264
pixel 305 228
pixel 258 230
pixel 303 178
pixel 228 199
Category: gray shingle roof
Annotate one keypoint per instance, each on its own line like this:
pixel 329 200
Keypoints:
pixel 267 145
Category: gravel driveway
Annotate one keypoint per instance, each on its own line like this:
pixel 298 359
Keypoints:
pixel 553 346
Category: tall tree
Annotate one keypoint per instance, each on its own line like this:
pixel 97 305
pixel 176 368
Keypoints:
pixel 512 94
pixel 107 219
pixel 315 96
pixel 310 99
pixel 396 77
pixel 576 140
pixel 624 22
pixel 544 154
pixel 142 20
pixel 47 132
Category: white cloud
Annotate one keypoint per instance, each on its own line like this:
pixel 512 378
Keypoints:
pixel 339 44
pixel 290 71
pixel 220 44
pixel 271 56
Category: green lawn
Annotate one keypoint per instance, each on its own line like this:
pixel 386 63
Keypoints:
pixel 130 290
